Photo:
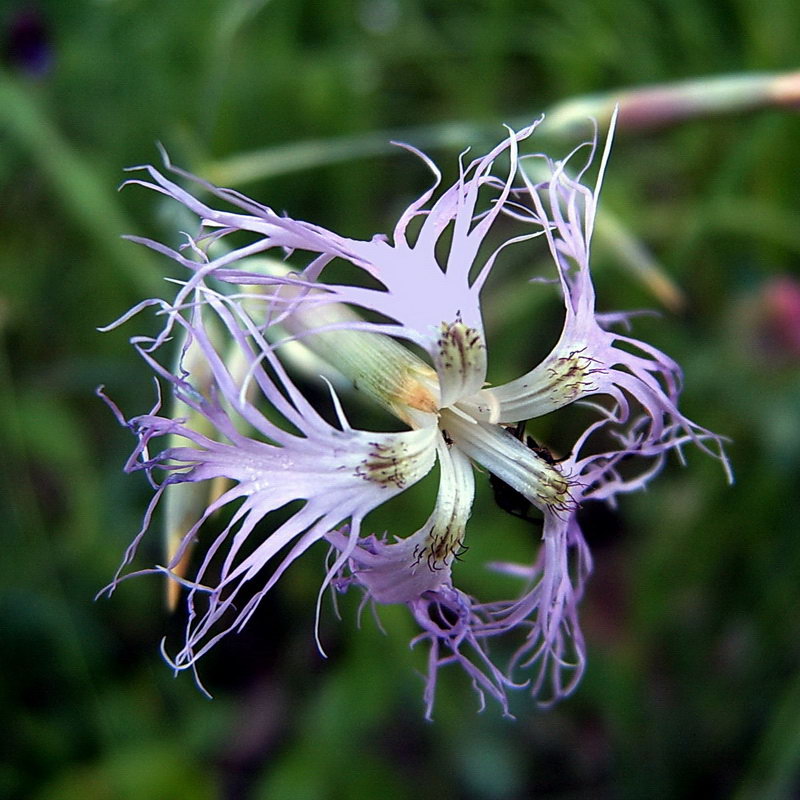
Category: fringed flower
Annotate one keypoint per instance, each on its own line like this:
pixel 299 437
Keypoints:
pixel 247 422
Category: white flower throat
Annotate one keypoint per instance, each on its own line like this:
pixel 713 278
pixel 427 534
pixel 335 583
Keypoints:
pixel 451 399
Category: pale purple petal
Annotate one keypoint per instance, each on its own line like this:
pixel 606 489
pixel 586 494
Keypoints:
pixel 589 359
pixel 450 294
pixel 341 474
pixel 403 570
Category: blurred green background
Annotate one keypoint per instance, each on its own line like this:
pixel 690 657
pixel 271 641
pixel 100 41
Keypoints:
pixel 691 618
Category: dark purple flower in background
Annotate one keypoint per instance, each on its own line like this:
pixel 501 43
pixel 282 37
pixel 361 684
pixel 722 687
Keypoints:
pixel 27 42
pixel 246 420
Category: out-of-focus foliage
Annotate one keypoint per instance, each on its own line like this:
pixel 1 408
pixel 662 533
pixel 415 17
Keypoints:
pixel 693 685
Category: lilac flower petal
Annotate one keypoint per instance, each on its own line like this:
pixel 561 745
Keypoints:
pixel 404 570
pixel 400 266
pixel 588 359
pixel 340 474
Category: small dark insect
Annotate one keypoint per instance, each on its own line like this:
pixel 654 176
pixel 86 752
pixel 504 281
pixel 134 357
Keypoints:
pixel 510 500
